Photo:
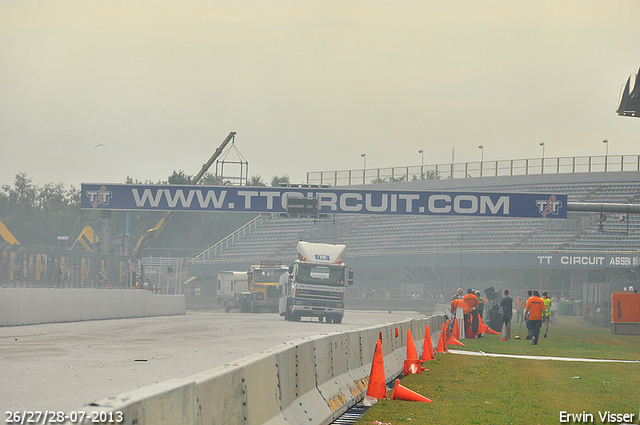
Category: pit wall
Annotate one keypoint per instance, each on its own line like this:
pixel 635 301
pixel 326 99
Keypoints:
pixel 310 380
pixel 24 306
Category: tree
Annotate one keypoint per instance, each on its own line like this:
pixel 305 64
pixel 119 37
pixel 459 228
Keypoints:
pixel 278 180
pixel 23 194
pixel 213 180
pixel 256 181
pixel 427 175
pixel 179 177
pixel 37 215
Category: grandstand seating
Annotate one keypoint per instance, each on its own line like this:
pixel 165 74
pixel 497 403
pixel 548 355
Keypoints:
pixel 364 235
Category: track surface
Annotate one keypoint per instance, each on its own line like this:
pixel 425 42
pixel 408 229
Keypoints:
pixel 64 366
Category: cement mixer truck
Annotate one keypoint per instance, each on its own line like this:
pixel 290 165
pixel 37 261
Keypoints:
pixel 315 284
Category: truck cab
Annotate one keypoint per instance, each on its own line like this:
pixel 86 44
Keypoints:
pixel 315 284
pixel 233 291
pixel 263 285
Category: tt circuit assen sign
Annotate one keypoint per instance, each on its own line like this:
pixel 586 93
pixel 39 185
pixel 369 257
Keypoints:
pixel 330 200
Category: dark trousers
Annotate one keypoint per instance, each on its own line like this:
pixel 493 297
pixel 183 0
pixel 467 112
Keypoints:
pixel 535 330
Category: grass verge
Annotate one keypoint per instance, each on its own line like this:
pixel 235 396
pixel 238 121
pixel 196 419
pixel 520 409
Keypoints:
pixel 487 390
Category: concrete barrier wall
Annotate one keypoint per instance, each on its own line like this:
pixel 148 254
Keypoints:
pixel 28 306
pixel 310 380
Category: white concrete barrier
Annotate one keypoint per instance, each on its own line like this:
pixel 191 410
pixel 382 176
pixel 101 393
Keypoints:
pixel 29 306
pixel 310 380
pixel 334 382
pixel 221 396
pixel 301 400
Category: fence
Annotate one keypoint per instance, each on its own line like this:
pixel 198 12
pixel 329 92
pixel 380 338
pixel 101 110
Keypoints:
pixel 512 167
pixel 49 267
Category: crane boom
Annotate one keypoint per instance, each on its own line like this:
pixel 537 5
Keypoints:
pixel 151 234
pixel 215 156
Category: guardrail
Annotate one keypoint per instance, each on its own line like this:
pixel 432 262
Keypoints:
pixel 511 167
pixel 228 241
pixel 310 380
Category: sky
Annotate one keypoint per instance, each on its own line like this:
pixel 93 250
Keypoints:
pixel 95 91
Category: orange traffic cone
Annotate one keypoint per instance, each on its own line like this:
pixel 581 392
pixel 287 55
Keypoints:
pixel 456 329
pixel 412 353
pixel 481 325
pixel 402 393
pixel 377 387
pixel 441 344
pixel 503 336
pixel 412 367
pixel 454 339
pixel 488 330
pixel 447 334
pixel 427 347
pixel 412 364
pixel 468 333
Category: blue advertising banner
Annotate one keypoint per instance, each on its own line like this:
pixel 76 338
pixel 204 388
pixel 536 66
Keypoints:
pixel 330 200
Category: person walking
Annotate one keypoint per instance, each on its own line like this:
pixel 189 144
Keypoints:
pixel 472 302
pixel 546 316
pixel 519 309
pixel 506 304
pixel 535 308
pixel 525 314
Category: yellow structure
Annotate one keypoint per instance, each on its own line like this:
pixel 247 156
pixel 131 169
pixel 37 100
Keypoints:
pixel 6 236
pixel 87 238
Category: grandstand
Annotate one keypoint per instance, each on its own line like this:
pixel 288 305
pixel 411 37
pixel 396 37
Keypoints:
pixel 437 253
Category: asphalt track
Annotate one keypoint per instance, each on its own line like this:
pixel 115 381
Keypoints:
pixel 64 366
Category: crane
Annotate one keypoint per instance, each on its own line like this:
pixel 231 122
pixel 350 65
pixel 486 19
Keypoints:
pixel 151 234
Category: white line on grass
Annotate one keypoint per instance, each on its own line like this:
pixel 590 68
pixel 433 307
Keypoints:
pixel 516 356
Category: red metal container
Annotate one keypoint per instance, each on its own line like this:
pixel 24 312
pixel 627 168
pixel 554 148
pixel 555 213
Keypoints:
pixel 625 307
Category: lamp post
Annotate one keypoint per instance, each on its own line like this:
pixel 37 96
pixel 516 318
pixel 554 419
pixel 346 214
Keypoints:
pixel 606 153
pixel 364 167
pixel 542 166
pixel 421 152
pixel 481 147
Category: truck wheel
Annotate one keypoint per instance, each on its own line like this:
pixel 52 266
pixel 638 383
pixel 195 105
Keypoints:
pixel 226 308
pixel 295 317
pixel 337 319
pixel 321 318
pixel 244 306
pixel 253 307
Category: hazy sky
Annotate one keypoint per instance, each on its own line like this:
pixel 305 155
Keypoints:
pixel 307 85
